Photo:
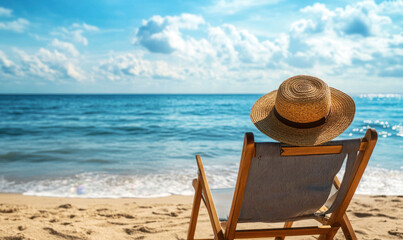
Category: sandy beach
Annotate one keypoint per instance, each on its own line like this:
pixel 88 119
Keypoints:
pixel 28 217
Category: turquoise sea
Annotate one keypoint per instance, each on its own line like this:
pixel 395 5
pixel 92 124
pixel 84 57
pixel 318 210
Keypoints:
pixel 144 145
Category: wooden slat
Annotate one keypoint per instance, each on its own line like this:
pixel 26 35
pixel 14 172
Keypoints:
pixel 348 228
pixel 258 233
pixel 371 138
pixel 248 152
pixel 195 209
pixel 286 225
pixel 322 220
pixel 345 222
pixel 317 150
pixel 195 183
pixel 215 222
pixel 363 146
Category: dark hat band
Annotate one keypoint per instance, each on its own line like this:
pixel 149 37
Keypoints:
pixel 301 125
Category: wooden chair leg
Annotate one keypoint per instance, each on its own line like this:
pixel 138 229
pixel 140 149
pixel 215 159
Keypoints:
pixel 347 228
pixel 330 235
pixel 286 225
pixel 195 209
pixel 208 200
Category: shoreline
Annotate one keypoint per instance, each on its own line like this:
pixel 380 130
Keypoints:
pixel 32 217
pixel 375 181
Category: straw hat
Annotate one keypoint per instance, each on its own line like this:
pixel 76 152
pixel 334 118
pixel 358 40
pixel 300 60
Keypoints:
pixel 304 111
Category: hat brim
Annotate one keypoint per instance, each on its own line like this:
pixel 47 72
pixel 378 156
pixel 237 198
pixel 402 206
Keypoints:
pixel 340 117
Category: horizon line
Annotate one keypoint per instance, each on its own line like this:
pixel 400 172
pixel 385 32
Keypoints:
pixel 101 93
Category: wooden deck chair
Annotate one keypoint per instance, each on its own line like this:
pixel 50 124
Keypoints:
pixel 280 183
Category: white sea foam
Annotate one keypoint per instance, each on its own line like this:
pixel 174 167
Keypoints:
pixel 376 181
pixel 381 95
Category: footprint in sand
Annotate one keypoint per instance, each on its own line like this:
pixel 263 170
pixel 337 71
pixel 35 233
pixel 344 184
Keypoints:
pixel 66 206
pixel 34 216
pixel 145 207
pixel 102 209
pixel 22 228
pixel 41 214
pixel 360 232
pixel 171 214
pixel 362 214
pixel 18 237
pixel 60 234
pixel 379 196
pixel 110 214
pixel 363 205
pixel 396 233
pixel 118 223
pixel 383 215
pixel 7 209
pixel 142 229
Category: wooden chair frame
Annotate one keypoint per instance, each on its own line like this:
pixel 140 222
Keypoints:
pixel 329 226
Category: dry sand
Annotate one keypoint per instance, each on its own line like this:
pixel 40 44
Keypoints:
pixel 26 217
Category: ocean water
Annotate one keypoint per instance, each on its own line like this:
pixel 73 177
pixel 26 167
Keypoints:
pixel 144 145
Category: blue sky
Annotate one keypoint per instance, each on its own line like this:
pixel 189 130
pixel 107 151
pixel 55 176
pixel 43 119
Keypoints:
pixel 115 46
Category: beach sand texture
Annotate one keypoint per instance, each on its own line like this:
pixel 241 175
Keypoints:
pixel 27 217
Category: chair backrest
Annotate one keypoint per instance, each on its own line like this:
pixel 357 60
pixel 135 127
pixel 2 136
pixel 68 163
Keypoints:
pixel 279 183
pixel 281 188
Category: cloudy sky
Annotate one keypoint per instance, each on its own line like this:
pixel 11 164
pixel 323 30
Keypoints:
pixel 219 46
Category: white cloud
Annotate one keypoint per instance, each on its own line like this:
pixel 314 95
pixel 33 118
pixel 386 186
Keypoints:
pixel 75 32
pixel 326 42
pixel 362 18
pixel 124 66
pixel 224 44
pixel 359 38
pixel 7 66
pixel 232 45
pixel 33 65
pixel 73 71
pixel 389 7
pixel 49 65
pixel 61 64
pixel 78 37
pixel 18 25
pixel 5 12
pixel 65 46
pixel 162 34
pixel 223 53
pixel 85 26
pixel 319 9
